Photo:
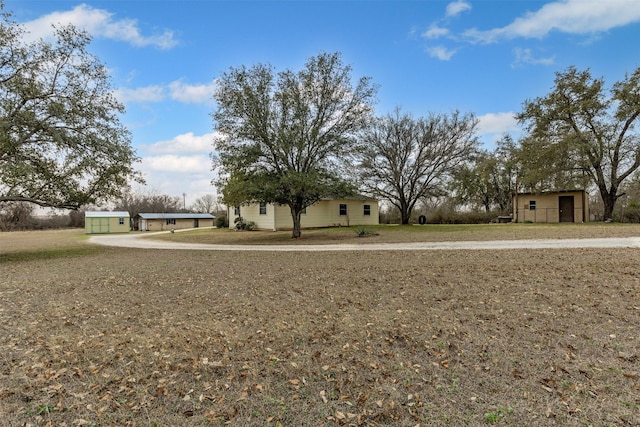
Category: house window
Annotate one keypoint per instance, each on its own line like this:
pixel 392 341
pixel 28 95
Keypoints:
pixel 304 211
pixel 343 209
pixel 367 210
pixel 121 221
pixel 171 221
pixel 236 211
pixel 532 205
pixel 263 208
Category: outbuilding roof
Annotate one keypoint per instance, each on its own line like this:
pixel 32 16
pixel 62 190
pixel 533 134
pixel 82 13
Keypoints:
pixel 106 214
pixel 168 215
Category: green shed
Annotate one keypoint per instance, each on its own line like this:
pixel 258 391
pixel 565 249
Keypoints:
pixel 104 222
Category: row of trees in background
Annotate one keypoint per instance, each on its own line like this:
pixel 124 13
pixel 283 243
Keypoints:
pixel 23 215
pixel 294 137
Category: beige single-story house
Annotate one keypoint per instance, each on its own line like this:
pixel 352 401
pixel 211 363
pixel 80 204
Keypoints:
pixel 557 206
pixel 103 222
pixel 173 221
pixel 328 212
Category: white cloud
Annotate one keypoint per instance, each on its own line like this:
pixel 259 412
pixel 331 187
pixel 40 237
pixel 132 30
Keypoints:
pixel 457 7
pixel 141 94
pixel 435 32
pixel 567 16
pixel 192 94
pixel 440 52
pixel 176 90
pixel 497 123
pixel 185 143
pixel 525 56
pixel 174 163
pixel 99 23
pixel 493 126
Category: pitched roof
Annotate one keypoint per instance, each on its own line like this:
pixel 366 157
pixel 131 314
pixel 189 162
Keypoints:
pixel 106 214
pixel 169 215
pixel 350 197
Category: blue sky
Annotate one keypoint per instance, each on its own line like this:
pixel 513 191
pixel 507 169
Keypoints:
pixel 428 56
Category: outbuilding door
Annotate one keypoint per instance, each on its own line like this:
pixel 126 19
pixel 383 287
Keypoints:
pixel 99 225
pixel 566 208
pixel 196 223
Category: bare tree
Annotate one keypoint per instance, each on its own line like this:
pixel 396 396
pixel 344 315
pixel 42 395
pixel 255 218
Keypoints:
pixel 407 159
pixel 207 203
pixel 136 202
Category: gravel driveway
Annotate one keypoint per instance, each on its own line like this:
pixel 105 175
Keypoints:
pixel 139 241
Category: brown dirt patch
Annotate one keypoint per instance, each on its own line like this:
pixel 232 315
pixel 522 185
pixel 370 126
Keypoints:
pixel 137 337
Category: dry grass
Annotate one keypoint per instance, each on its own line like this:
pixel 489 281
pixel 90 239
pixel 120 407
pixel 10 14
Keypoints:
pixel 395 234
pixel 148 337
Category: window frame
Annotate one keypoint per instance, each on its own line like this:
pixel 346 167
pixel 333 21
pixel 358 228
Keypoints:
pixel 366 210
pixel 342 209
pixel 262 210
pixel 532 205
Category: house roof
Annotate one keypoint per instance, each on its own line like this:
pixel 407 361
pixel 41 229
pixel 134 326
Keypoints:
pixel 350 197
pixel 546 193
pixel 106 214
pixel 169 215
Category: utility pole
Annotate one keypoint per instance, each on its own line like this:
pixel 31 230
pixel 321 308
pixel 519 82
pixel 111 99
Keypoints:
pixel 184 201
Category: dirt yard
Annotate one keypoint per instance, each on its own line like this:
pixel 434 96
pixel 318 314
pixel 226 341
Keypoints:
pixel 116 337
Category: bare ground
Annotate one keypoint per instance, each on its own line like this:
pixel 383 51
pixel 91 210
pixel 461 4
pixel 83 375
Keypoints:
pixel 149 337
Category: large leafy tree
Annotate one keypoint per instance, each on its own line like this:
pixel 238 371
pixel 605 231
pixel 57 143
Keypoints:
pixel 286 137
pixel 582 131
pixel 61 142
pixel 406 160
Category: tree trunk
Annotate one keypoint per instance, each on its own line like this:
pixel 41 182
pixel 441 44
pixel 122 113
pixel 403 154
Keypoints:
pixel 296 211
pixel 609 200
pixel 405 214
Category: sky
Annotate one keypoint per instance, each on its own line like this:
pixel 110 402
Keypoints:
pixel 485 57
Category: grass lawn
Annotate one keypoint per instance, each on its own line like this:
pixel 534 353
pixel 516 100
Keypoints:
pixel 106 336
pixel 415 233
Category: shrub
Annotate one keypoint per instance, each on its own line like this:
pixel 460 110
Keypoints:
pixel 222 221
pixel 364 232
pixel 632 212
pixel 241 225
pixel 447 216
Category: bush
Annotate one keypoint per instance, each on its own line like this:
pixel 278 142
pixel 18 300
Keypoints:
pixel 241 225
pixel 222 221
pixel 446 216
pixel 363 231
pixel 632 212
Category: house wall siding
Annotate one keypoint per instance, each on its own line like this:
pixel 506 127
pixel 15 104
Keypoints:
pixel 181 224
pixel 103 225
pixel 325 213
pixel 547 207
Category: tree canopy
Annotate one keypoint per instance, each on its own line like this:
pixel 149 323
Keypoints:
pixel 287 137
pixel 580 132
pixel 405 159
pixel 488 181
pixel 61 142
